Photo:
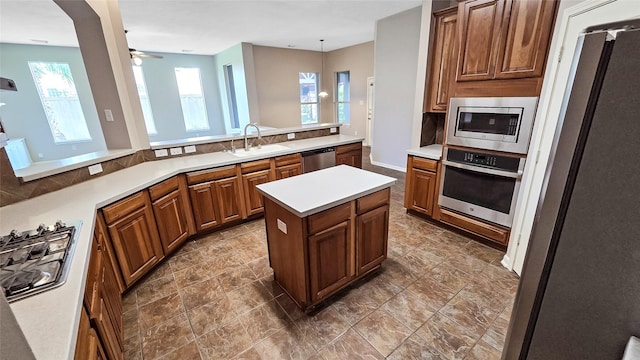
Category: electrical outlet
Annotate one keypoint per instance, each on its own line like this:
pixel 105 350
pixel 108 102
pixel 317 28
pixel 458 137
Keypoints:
pixel 108 114
pixel 161 153
pixel 190 149
pixel 176 151
pixel 333 130
pixel 355 133
pixel 291 136
pixel 95 169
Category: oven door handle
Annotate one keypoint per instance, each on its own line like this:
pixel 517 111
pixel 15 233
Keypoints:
pixel 509 174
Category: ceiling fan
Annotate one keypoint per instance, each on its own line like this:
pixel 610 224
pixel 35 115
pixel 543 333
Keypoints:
pixel 137 56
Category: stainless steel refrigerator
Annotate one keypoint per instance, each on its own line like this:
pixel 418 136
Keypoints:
pixel 579 294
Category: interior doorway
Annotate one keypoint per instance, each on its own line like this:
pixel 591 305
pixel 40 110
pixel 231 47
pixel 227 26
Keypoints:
pixel 370 94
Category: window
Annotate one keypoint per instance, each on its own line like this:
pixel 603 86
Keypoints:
pixel 231 94
pixel 60 101
pixel 309 98
pixel 144 100
pixel 194 110
pixel 343 93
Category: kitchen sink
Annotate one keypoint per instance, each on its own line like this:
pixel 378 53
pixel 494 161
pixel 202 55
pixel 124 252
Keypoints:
pixel 265 149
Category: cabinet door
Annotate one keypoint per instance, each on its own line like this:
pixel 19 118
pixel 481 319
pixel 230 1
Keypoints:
pixel 443 62
pixel 421 191
pixel 288 171
pixel 113 301
pixel 136 243
pixel 330 260
pixel 203 204
pixel 525 37
pixel 170 215
pixel 479 38
pixel 351 158
pixel 253 199
pixel 228 194
pixel 371 238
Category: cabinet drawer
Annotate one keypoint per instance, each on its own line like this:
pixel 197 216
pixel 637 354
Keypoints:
pixel 255 166
pixel 487 231
pixel 346 148
pixel 122 208
pixel 198 177
pixel 288 159
pixel 324 220
pixel 372 201
pixel 159 190
pixel 425 164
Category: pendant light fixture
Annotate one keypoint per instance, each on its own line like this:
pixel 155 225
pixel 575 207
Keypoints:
pixel 323 93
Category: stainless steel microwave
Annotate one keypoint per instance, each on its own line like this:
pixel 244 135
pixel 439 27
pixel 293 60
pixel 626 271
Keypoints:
pixel 500 123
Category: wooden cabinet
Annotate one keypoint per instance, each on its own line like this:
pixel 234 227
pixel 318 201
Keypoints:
pixel 443 61
pixel 372 230
pixel 503 40
pixel 492 232
pixel 88 346
pixel 172 211
pixel 288 166
pixel 253 174
pixel 315 256
pixel 349 155
pixel 134 236
pixel 215 196
pixel 103 303
pixel 420 186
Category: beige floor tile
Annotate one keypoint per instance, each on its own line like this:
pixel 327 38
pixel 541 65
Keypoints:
pixel 286 343
pixel 167 337
pixel 322 328
pixel 211 315
pixel 475 318
pixel 186 352
pixel 415 348
pixel 483 351
pixel 194 274
pixel 130 323
pixel 264 320
pixel 383 331
pixel 201 293
pixel 434 294
pixel 350 346
pixel 249 354
pixel 447 337
pixel 260 267
pixel 248 297
pixel 409 310
pixel 236 277
pixel 159 311
pixel 183 260
pixel 290 307
pixel 149 291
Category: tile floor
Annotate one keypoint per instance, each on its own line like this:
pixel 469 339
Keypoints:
pixel 439 295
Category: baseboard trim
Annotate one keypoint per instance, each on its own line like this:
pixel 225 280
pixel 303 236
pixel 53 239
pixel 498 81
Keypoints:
pixel 392 167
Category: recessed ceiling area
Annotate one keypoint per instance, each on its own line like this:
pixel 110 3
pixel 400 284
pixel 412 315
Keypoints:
pixel 209 27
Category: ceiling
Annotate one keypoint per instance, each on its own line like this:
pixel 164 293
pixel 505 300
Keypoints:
pixel 210 26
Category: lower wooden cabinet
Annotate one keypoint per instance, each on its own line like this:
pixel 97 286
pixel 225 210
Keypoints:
pixel 288 166
pixel 216 197
pixel 88 345
pixel 331 258
pixel 134 236
pixel 349 155
pixel 420 186
pixel 253 174
pixel 172 211
pixel 372 230
pixel 492 232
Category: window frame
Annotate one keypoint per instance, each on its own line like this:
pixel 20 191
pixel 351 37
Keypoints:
pixel 143 83
pixel 306 103
pixel 346 101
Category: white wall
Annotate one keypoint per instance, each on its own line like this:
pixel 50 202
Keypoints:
pixel 573 17
pixel 397 44
pixel 233 56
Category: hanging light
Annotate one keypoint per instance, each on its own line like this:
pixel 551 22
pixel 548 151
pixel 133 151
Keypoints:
pixel 137 60
pixel 323 93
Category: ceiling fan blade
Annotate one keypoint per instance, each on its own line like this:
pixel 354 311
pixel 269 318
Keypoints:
pixel 145 55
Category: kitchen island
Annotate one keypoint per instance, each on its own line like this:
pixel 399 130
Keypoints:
pixel 326 229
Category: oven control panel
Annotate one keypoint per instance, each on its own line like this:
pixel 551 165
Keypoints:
pixel 508 163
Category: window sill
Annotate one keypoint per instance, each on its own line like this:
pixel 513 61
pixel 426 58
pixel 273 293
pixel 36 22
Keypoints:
pixel 42 169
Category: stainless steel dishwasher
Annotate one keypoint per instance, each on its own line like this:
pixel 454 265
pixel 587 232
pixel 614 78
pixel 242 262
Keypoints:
pixel 313 160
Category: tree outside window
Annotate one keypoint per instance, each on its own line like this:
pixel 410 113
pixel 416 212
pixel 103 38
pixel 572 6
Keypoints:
pixel 308 97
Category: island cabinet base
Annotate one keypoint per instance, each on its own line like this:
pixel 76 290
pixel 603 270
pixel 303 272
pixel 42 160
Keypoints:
pixel 315 256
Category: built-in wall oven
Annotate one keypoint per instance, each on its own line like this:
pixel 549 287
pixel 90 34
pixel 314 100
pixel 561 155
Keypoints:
pixel 492 123
pixel 481 185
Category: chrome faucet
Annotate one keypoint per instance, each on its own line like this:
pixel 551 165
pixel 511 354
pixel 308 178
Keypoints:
pixel 246 143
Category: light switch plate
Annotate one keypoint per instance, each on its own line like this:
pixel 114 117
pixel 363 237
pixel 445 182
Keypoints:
pixel 108 114
pixel 333 130
pixel 176 151
pixel 161 153
pixel 190 149
pixel 95 169
pixel 291 136
pixel 282 226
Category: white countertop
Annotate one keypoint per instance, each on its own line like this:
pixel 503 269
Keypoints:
pixel 50 320
pixel 433 152
pixel 320 190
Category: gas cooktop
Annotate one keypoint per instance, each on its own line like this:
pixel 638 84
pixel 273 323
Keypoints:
pixel 37 260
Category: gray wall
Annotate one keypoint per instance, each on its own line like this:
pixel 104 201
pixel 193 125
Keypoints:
pixel 233 56
pixel 160 78
pixel 395 66
pixel 23 114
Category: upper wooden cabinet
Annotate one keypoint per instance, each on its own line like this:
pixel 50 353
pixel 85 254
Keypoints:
pixel 134 235
pixel 443 61
pixel 349 155
pixel 172 210
pixel 503 39
pixel 215 196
